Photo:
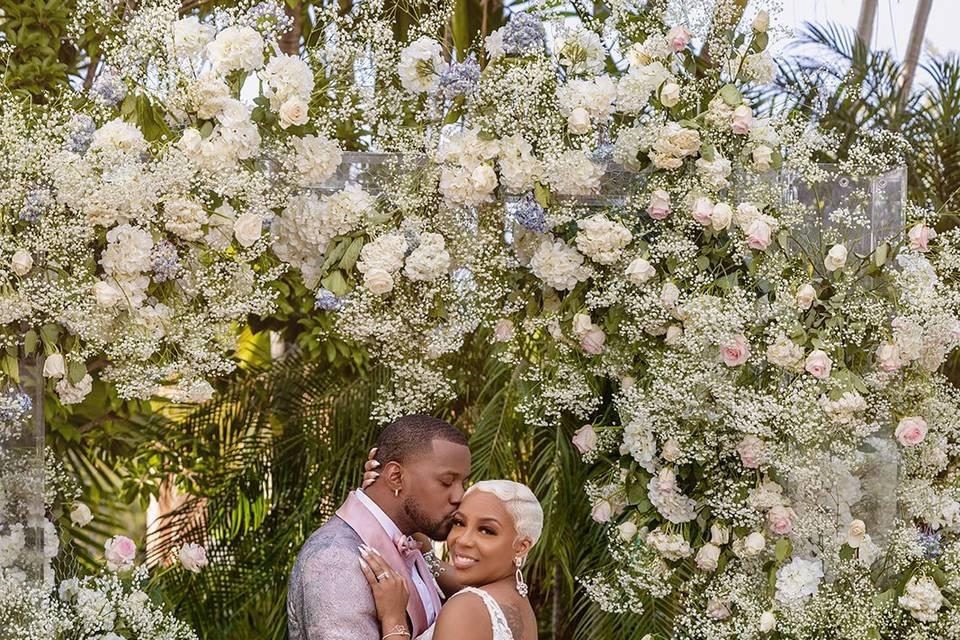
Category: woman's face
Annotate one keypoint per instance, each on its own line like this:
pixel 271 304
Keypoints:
pixel 483 541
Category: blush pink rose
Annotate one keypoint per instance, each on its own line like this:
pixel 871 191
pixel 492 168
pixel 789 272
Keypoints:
pixel 780 520
pixel 759 234
pixel 679 37
pixel 911 431
pixel 592 342
pixel 119 552
pixel 752 452
pixel 659 208
pixel 818 364
pixel 919 237
pixel 703 211
pixel 742 119
pixel 735 351
pixel 585 439
pixel 888 356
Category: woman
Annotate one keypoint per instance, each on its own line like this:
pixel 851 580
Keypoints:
pixel 493 530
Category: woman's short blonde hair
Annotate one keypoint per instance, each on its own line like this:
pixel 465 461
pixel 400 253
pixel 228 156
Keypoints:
pixel 520 502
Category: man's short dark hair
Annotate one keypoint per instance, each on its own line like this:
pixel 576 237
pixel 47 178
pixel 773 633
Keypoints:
pixel 410 436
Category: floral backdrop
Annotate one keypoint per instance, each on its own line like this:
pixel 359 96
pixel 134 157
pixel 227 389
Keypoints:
pixel 757 366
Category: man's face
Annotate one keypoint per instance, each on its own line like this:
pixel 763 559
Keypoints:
pixel 435 487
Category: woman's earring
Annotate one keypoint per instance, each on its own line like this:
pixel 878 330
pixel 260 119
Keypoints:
pixel 521 585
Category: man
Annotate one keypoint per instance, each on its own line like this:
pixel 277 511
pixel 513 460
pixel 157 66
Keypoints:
pixel 424 463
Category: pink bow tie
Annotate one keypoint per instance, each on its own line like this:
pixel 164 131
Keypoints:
pixel 407 546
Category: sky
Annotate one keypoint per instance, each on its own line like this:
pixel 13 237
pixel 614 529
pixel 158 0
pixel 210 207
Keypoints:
pixel 893 23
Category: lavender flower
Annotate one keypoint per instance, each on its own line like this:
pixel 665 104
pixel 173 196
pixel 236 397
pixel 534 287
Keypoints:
pixel 80 129
pixel 930 541
pixel 164 261
pixel 412 236
pixel 524 34
pixel 326 300
pixel 460 78
pixel 529 214
pixel 34 204
pixel 15 406
pixel 108 89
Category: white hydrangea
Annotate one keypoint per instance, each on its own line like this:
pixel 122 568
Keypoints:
pixel 118 136
pixel 602 239
pixel 420 66
pixel 845 409
pixel 638 441
pixel 185 218
pixel 468 186
pixel 429 260
pixel 674 143
pixel 208 94
pixel 519 168
pixel 386 253
pixel 286 77
pixel 236 48
pixel 922 598
pixel 190 36
pixel 580 50
pixel 595 97
pixel 664 494
pixel 798 580
pixel 128 250
pixel 672 546
pixel 74 393
pixel 315 158
pixel 559 265
pixel 636 87
pixel 573 173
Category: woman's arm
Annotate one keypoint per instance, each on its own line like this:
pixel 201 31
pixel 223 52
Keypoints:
pixel 389 592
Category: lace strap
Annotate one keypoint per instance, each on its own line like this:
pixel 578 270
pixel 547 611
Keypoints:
pixel 501 630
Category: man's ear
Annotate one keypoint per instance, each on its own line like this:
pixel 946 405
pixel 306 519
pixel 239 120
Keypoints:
pixel 392 476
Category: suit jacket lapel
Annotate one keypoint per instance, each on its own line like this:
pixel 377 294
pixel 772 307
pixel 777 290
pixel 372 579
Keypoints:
pixel 362 521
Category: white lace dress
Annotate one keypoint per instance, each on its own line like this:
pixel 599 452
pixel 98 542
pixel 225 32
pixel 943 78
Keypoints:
pixel 501 631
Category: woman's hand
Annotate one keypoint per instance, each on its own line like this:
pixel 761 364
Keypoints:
pixel 369 469
pixel 389 588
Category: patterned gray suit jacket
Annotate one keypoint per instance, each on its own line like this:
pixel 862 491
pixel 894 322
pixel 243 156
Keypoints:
pixel 328 598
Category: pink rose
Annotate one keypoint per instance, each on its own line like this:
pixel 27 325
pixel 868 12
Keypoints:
pixel 752 452
pixel 602 511
pixel 735 351
pixel 592 342
pixel 919 236
pixel 759 234
pixel 585 439
pixel 193 557
pixel 659 208
pixel 818 364
pixel 119 552
pixel 805 296
pixel 679 37
pixel 888 356
pixel 780 520
pixel 911 431
pixel 742 119
pixel 703 211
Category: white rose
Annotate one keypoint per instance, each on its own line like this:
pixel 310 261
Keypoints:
pixel 761 23
pixel 54 366
pixel 856 533
pixel 81 515
pixel 627 530
pixel 579 121
pixel 581 324
pixel 193 557
pixel 708 557
pixel 293 112
pixel 640 271
pixel 117 135
pixel 106 294
pixel 484 178
pixel 836 258
pixel 742 119
pixel 718 609
pixel 805 296
pixel 768 622
pixel 585 439
pixel 673 334
pixel 602 239
pixel 722 215
pixel 785 353
pixel 503 331
pixel 237 48
pixel 247 228
pixel 818 364
pixel 669 295
pixel 762 157
pixel 754 543
pixel 670 94
pixel 378 281
pixel 21 262
pixel 719 534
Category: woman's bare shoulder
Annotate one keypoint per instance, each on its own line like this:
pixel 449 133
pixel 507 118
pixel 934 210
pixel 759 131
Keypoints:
pixel 463 617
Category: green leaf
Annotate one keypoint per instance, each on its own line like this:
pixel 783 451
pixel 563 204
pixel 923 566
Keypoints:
pixel 880 255
pixel 75 372
pixel 542 195
pixel 709 152
pixel 783 549
pixel 29 342
pixel 335 282
pixel 731 95
pixel 351 254
pixel 49 334
pixel 760 42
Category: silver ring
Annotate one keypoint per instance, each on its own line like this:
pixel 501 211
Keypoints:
pixel 385 574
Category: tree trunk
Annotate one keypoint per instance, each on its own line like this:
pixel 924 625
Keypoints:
pixel 290 41
pixel 920 19
pixel 868 17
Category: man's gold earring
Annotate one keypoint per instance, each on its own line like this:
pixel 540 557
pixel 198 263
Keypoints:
pixel 396 493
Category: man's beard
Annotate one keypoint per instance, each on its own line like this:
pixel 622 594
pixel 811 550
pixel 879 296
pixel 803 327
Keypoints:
pixel 435 530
